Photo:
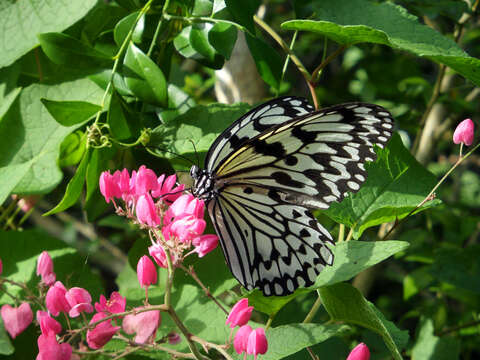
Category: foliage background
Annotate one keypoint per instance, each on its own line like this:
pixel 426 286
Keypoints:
pixel 64 118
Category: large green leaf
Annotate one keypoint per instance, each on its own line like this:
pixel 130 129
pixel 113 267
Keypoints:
pixel 6 347
pixel 355 21
pixel 41 17
pixel 31 137
pixel 289 339
pixel 69 113
pixel 346 304
pixel 396 184
pixel 351 258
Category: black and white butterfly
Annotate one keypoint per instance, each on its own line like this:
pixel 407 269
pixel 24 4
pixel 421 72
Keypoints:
pixel 266 172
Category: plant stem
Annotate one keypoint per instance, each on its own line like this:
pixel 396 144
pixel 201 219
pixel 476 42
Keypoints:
pixel 170 276
pixel 316 73
pixel 207 345
pixel 284 46
pixel 185 332
pixel 287 60
pixel 157 30
pixel 311 314
pixel 341 232
pixel 205 19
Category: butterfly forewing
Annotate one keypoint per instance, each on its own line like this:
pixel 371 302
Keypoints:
pixel 315 159
pixel 269 168
pixel 253 123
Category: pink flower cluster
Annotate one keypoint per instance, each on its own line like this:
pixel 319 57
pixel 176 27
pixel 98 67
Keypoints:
pixel 247 340
pixel 72 302
pixel 175 221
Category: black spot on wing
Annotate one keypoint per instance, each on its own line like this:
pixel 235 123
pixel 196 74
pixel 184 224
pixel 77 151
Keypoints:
pixel 269 149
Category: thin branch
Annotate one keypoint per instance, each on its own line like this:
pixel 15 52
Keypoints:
pixel 219 348
pixel 316 73
pixel 313 311
pixel 459 327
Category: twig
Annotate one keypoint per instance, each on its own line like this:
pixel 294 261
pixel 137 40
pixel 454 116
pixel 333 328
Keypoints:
pixel 190 271
pixel 319 68
pixel 313 311
pixel 185 332
pixel 459 327
pixel 206 344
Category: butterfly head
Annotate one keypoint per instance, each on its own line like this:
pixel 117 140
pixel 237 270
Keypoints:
pixel 203 186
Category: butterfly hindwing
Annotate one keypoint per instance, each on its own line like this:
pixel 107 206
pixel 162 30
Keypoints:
pixel 253 123
pixel 277 246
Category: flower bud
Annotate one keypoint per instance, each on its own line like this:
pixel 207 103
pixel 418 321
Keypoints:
pixel 80 300
pixel 143 324
pixel 47 323
pixel 240 341
pixel 146 272
pixel 102 333
pixel 240 313
pixel 257 342
pixel 146 211
pixel 45 268
pixel 55 299
pixel 359 352
pixel 464 132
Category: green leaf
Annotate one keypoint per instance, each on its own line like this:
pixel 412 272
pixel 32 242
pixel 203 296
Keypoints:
pixel 66 50
pixel 74 187
pixel 41 16
pixel 8 101
pixel 144 78
pixel 431 347
pixel 345 303
pixel 116 118
pixel 202 8
pixel 396 184
pixel 223 37
pixel 199 42
pixel 268 62
pixel 350 259
pixel 354 21
pixel 416 281
pixel 31 137
pixel 201 124
pixel 289 339
pixel 243 11
pixel 179 102
pixel 458 266
pixel 20 250
pixel 73 148
pixel 69 113
pixel 123 28
pixel 6 347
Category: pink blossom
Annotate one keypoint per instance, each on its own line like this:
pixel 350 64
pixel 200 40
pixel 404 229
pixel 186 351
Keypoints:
pixel 158 254
pixel 146 211
pixel 464 133
pixel 204 244
pixel 146 272
pixel 80 300
pixel 16 319
pixel 185 229
pixel 122 178
pixel 167 187
pixel 50 349
pixel 116 304
pixel 145 181
pixel 257 342
pixel 359 352
pixel 240 341
pixel 109 186
pixel 55 299
pixel 47 323
pixel 184 206
pixel 45 268
pixel 143 324
pixel 102 333
pixel 240 313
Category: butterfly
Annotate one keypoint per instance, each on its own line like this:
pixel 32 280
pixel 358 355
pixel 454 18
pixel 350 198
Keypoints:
pixel 265 173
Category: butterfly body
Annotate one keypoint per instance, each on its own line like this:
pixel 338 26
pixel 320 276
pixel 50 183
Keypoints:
pixel 266 172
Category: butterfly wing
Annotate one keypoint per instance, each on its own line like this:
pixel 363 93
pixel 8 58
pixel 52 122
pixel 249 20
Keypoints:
pixel 265 186
pixel 253 123
pixel 269 244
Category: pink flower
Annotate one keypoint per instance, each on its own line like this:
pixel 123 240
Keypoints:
pixel 147 211
pixel 257 342
pixel 185 205
pixel 55 299
pixel 122 178
pixel 102 333
pixel 464 132
pixel 240 341
pixel 80 300
pixel 116 304
pixel 145 181
pixel 240 313
pixel 146 272
pixel 50 349
pixel 47 323
pixel 158 254
pixel 204 244
pixel 185 229
pixel 359 352
pixel 45 268
pixel 174 338
pixel 167 187
pixel 143 324
pixel 109 186
pixel 16 319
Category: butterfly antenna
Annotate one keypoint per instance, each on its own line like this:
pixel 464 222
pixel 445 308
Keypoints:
pixel 175 192
pixel 196 152
pixel 173 153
